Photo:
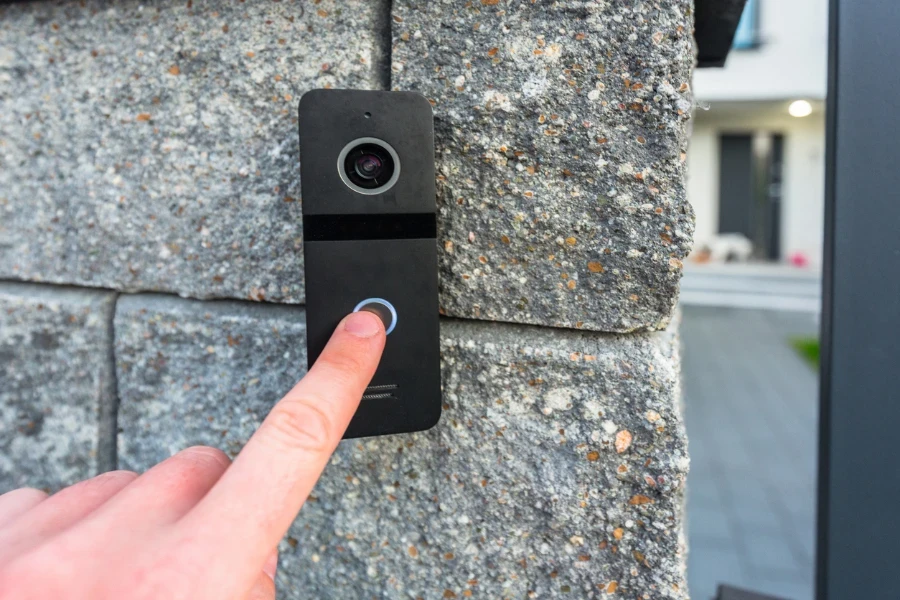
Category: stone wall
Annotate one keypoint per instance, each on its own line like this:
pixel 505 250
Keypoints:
pixel 149 151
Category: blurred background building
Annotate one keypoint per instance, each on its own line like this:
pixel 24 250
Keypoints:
pixel 750 301
pixel 757 155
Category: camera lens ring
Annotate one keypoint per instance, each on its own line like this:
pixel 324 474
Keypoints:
pixel 350 147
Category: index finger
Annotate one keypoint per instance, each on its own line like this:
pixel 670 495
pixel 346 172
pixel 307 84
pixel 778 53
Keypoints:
pixel 251 507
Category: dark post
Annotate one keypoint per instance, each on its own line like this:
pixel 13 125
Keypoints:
pixel 859 477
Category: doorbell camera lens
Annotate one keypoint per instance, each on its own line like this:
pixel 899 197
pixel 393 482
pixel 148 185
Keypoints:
pixel 369 166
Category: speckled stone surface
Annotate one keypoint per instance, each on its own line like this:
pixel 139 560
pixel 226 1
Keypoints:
pixel 561 132
pixel 153 146
pixel 56 385
pixel 192 372
pixel 556 470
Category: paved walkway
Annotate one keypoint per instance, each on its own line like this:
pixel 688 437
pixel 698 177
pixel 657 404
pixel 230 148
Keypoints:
pixel 751 413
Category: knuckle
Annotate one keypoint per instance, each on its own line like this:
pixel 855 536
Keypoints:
pixel 300 424
pixel 26 492
pixel 121 474
pixel 118 475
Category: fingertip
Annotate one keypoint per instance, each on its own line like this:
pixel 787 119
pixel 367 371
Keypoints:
pixel 26 494
pixel 206 454
pixel 363 324
pixel 353 352
pixel 17 502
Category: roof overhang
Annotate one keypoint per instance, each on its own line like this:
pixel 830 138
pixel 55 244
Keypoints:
pixel 715 22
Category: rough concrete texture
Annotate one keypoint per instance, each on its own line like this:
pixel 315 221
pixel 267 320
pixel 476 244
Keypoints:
pixel 561 132
pixel 56 385
pixel 194 372
pixel 555 472
pixel 154 146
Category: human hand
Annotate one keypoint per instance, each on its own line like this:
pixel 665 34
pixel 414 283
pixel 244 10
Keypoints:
pixel 196 526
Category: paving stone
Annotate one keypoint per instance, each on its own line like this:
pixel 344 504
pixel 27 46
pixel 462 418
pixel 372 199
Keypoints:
pixel 560 130
pixel 154 146
pixel 768 557
pixel 722 565
pixel 768 492
pixel 711 523
pixel 519 491
pixel 56 385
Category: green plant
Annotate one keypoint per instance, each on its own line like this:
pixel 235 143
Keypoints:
pixel 808 348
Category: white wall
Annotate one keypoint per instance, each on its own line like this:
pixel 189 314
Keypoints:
pixel 789 63
pixel 803 209
pixel 804 171
pixel 751 94
pixel 703 182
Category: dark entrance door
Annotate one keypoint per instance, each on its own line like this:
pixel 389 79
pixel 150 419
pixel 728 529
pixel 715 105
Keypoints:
pixel 736 184
pixel 750 190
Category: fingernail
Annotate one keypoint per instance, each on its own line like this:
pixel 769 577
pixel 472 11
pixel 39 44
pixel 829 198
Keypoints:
pixel 363 324
pixel 271 565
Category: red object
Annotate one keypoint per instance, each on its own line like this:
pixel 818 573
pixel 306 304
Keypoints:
pixel 799 259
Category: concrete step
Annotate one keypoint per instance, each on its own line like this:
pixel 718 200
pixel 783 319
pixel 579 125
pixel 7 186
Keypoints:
pixel 767 286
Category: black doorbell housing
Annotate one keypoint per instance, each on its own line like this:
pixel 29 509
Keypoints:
pixel 369 229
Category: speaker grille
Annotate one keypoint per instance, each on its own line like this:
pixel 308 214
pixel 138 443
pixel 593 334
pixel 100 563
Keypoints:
pixel 380 392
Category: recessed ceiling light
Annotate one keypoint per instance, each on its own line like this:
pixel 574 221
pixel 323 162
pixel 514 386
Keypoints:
pixel 800 108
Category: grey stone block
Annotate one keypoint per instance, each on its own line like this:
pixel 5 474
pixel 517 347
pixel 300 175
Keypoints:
pixel 57 387
pixel 561 131
pixel 193 372
pixel 154 146
pixel 520 491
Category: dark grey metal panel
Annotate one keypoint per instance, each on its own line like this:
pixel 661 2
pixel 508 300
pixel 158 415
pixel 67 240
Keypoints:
pixel 859 487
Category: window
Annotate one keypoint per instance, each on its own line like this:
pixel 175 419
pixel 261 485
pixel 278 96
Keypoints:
pixel 747 34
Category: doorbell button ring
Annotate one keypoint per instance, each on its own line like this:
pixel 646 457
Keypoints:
pixel 383 309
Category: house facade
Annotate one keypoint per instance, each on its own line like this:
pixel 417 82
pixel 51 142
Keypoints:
pixel 757 153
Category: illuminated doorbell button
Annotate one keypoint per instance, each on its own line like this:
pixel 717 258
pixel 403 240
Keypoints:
pixel 384 309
